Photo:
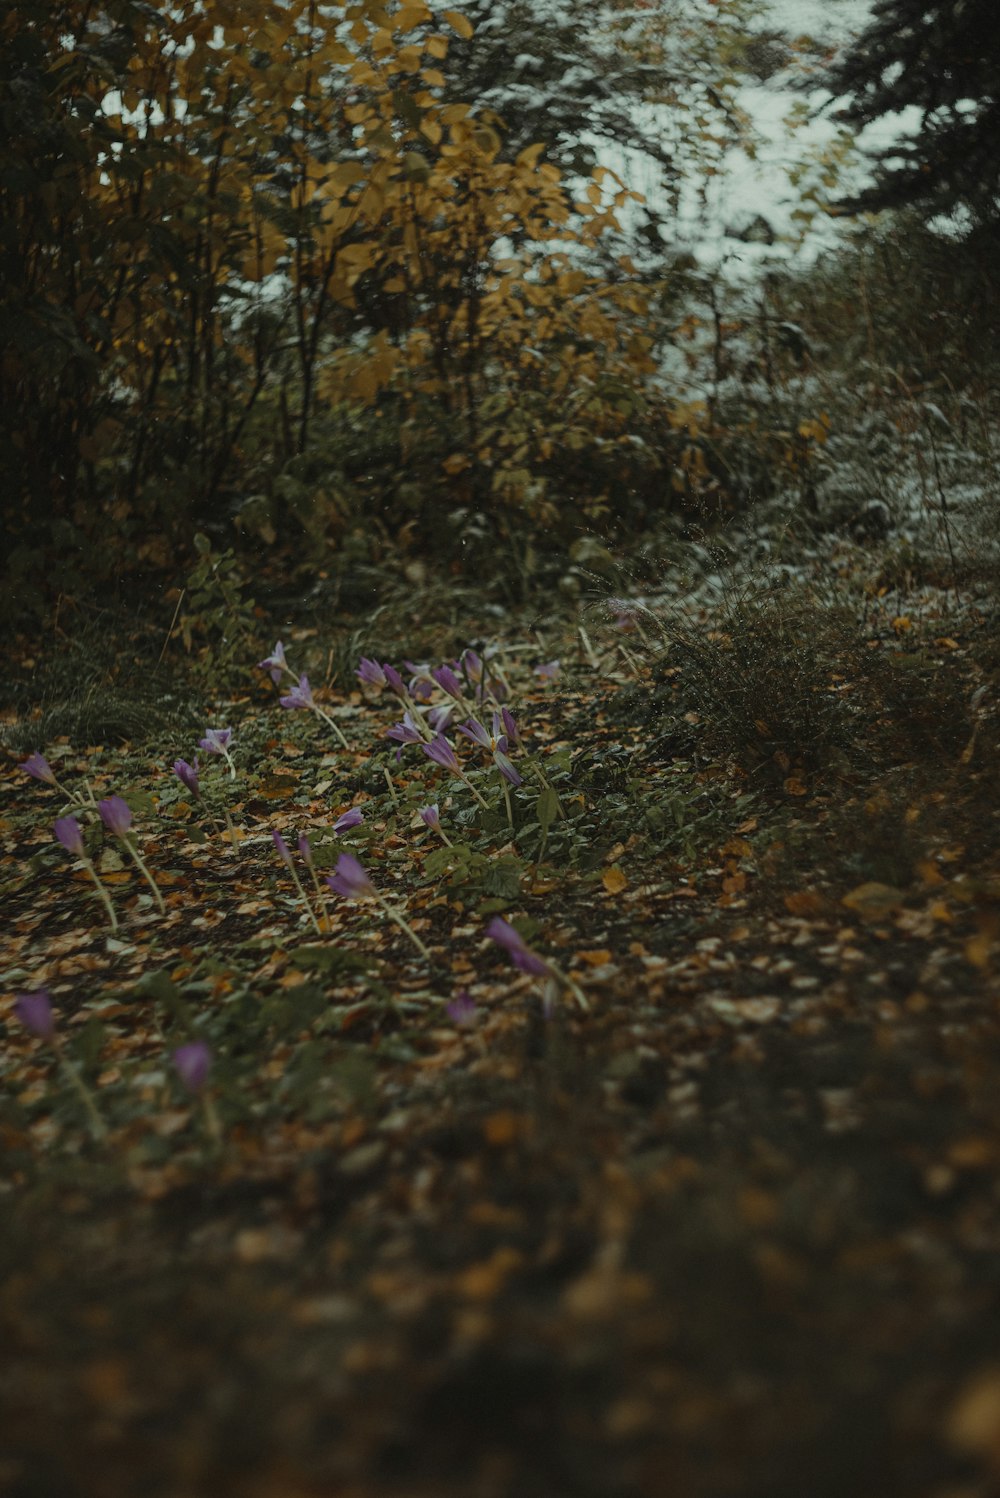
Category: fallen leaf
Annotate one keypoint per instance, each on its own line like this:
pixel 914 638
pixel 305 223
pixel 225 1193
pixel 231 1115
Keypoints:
pixel 614 880
pixel 874 901
pixel 804 902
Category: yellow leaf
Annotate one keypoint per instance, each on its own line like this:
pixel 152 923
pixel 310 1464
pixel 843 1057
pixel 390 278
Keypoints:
pixel 804 902
pixel 614 880
pixel 873 901
pixel 595 958
pixel 458 23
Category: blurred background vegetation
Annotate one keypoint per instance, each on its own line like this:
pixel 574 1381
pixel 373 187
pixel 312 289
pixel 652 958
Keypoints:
pixel 347 286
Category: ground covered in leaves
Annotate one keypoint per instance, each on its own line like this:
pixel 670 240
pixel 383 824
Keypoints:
pixel 731 1229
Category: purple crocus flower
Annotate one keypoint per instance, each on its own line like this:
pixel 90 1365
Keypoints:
pixel 430 816
pixel 370 673
pixel 513 942
pixel 39 768
pixel 282 849
pixel 547 672
pixel 440 717
pixel 305 851
pixel 507 770
pixel 472 665
pixel 475 731
pixel 349 819
pixel 193 1062
pixel 34 1010
pixel 350 880
pixel 405 732
pixel 115 815
pixel 299 696
pixel 274 663
pixel 394 680
pixel 441 752
pixel 67 831
pixel 188 774
pixel 421 689
pixel 510 727
pixel 462 1010
pixel 447 681
pixel 216 740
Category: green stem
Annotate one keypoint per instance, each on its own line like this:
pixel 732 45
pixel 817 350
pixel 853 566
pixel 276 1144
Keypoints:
pixel 102 892
pixel 146 875
pixel 305 900
pixel 320 897
pixel 404 926
pixel 506 797
pixel 327 719
pixel 570 983
pixel 231 830
pixel 445 838
pixel 462 776
pixel 212 1126
pixel 97 1124
pixel 392 788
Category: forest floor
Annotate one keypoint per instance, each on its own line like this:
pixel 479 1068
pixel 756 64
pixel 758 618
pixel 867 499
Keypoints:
pixel 733 1229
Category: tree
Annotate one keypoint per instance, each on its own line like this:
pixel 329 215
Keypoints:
pixel 943 58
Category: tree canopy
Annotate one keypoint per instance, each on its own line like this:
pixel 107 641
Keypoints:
pixel 942 58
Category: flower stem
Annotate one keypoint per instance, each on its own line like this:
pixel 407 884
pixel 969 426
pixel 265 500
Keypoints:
pixel 571 984
pixel 212 1126
pixel 462 776
pixel 102 892
pixel 97 1125
pixel 231 830
pixel 146 874
pixel 404 926
pixel 506 797
pixel 324 921
pixel 392 788
pixel 305 899
pixel 336 727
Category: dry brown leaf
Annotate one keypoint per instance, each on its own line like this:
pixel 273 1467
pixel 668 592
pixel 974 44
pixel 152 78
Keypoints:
pixel 614 880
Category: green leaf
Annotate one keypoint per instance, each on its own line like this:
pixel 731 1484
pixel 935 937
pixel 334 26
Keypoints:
pixel 547 808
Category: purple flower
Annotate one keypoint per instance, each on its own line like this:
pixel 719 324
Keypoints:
pixel 67 830
pixel 394 680
pixel 188 774
pixel 274 663
pixel 352 818
pixel 370 673
pixel 475 731
pixel 115 815
pixel 349 879
pixel 521 955
pixel 421 690
pixel 305 851
pixel 193 1063
pixel 405 732
pixel 38 766
pixel 505 767
pixel 282 849
pixel 440 717
pixel 34 1010
pixel 510 727
pixel 448 681
pixel 472 665
pixel 462 1009
pixel 299 696
pixel 216 740
pixel 441 752
pixel 548 672
pixel 430 816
